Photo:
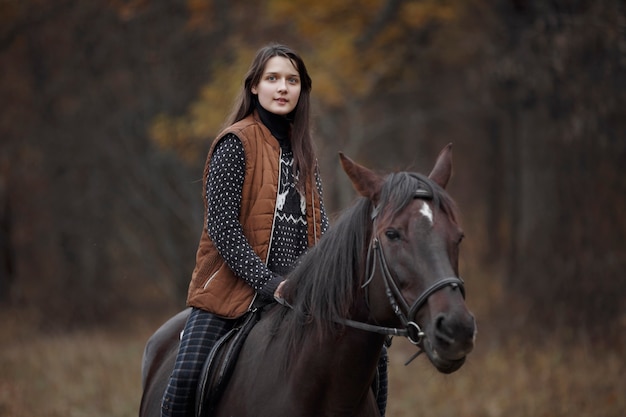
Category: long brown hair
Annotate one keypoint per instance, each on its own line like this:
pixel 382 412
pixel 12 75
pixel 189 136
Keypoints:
pixel 301 140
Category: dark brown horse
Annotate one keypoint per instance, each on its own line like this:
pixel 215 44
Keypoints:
pixel 388 266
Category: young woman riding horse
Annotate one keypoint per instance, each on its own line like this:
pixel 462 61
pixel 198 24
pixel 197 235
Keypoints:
pixel 389 266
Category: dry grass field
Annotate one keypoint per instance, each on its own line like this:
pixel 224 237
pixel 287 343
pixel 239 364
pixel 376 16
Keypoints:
pixel 97 374
pixel 515 380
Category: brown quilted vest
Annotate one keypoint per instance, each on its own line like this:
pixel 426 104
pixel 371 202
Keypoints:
pixel 214 287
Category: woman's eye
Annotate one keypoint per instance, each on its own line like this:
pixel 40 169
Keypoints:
pixel 392 234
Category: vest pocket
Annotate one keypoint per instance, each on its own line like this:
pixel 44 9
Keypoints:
pixel 212 277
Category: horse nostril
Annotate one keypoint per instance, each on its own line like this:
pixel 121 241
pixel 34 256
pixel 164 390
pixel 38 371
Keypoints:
pixel 454 334
pixel 442 332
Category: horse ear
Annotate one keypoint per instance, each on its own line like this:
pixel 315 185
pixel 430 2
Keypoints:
pixel 442 171
pixel 366 182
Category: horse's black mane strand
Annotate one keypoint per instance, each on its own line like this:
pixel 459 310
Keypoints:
pixel 324 284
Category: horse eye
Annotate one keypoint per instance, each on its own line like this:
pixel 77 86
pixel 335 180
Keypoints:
pixel 392 234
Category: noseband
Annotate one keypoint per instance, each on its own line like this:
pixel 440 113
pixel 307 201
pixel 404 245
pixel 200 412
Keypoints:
pixel 405 312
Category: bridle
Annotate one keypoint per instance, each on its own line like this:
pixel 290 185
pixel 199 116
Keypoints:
pixel 405 312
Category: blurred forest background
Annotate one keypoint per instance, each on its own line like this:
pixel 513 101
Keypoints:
pixel 107 109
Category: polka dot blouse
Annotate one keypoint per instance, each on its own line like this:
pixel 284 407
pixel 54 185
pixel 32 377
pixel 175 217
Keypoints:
pixel 289 236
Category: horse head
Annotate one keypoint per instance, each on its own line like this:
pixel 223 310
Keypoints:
pixel 411 282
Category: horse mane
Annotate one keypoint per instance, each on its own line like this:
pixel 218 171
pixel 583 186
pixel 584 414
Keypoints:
pixel 323 285
pixel 326 281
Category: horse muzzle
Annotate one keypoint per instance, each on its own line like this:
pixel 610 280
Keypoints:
pixel 449 341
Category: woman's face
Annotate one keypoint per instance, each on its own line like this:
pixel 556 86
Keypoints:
pixel 279 88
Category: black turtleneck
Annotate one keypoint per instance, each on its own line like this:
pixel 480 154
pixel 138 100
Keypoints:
pixel 278 125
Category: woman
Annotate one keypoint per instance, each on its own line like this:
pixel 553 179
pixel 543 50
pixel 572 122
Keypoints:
pixel 263 209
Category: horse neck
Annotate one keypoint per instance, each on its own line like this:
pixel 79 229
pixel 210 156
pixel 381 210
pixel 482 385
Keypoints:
pixel 343 367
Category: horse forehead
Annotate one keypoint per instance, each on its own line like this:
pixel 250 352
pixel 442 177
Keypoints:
pixel 419 210
pixel 422 211
pixel 426 211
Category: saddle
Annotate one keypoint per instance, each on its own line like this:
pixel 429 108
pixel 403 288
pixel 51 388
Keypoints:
pixel 220 363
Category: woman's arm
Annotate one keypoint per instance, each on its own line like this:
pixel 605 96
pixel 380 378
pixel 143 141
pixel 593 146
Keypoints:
pixel 224 188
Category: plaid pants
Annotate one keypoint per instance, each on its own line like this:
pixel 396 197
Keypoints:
pixel 202 331
pixel 383 382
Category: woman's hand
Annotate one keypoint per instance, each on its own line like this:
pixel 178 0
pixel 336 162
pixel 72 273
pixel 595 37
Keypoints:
pixel 278 294
pixel 279 290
